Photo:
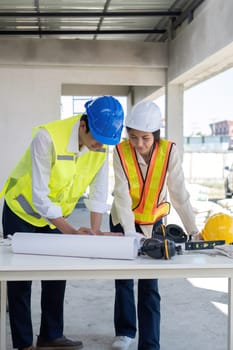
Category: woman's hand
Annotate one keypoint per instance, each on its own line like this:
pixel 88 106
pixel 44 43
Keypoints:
pixel 197 237
pixel 84 231
pixel 109 233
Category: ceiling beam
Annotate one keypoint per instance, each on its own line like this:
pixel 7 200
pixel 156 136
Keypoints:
pixel 93 14
pixel 80 32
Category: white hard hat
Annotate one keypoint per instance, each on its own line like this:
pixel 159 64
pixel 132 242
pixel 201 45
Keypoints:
pixel 144 116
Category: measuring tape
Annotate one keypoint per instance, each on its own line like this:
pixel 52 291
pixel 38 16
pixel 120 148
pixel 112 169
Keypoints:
pixel 195 245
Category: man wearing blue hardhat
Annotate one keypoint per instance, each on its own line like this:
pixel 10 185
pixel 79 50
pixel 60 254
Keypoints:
pixel 63 159
pixel 105 119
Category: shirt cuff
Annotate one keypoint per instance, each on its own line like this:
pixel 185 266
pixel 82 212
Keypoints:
pixel 95 206
pixel 54 212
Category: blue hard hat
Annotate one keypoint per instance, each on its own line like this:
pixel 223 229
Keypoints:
pixel 105 118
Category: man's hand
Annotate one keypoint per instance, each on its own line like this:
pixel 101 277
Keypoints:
pixel 66 228
pixel 89 231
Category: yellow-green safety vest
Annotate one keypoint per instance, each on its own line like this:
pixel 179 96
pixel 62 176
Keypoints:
pixel 69 178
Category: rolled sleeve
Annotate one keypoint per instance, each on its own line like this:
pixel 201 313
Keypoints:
pixel 179 195
pixel 98 207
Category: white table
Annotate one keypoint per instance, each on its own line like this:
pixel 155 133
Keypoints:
pixel 36 267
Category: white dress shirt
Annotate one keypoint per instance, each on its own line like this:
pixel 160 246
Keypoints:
pixel 175 183
pixel 42 154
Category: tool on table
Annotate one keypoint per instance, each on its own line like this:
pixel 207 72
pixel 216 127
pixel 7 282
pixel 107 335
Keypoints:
pixel 172 231
pixel 159 246
pixel 200 245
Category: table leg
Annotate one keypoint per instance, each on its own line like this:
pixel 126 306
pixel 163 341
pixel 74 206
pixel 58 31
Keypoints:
pixel 3 316
pixel 230 313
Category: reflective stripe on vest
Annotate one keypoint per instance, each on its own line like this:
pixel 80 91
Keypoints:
pixel 145 192
pixel 69 177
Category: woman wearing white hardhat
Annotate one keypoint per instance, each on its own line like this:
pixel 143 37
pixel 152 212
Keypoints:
pixel 145 116
pixel 145 166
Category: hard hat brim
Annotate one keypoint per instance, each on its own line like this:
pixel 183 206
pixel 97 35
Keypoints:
pixel 143 128
pixel 105 140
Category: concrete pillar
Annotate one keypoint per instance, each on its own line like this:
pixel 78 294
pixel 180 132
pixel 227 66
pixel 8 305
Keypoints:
pixel 174 115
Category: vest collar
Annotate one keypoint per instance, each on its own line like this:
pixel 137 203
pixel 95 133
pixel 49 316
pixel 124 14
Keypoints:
pixel 73 144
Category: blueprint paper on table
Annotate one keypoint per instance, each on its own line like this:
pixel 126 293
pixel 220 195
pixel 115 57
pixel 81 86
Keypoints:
pixel 84 246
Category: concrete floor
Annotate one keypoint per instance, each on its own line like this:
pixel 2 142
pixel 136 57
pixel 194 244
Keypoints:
pixel 193 311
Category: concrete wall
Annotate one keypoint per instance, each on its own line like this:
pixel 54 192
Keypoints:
pixel 28 97
pixel 73 53
pixel 204 46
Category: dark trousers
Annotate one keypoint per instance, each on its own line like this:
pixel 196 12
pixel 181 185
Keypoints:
pixel 19 294
pixel 148 308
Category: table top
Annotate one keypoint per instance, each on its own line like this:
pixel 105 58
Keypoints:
pixel 35 267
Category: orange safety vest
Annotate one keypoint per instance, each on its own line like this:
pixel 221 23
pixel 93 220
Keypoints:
pixel 145 192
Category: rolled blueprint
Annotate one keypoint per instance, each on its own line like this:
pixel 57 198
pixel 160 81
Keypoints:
pixel 84 246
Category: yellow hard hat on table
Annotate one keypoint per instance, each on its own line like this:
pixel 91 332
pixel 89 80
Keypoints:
pixel 218 227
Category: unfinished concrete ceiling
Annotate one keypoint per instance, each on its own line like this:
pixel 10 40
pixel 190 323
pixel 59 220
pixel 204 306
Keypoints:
pixel 148 20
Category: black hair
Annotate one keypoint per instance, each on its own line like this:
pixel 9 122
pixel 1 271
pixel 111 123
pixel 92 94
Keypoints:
pixel 156 134
pixel 84 117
